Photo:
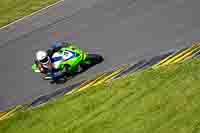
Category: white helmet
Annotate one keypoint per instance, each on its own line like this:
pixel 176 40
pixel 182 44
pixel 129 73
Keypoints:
pixel 42 57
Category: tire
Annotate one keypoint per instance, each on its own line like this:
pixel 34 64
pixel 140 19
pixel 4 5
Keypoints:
pixel 95 58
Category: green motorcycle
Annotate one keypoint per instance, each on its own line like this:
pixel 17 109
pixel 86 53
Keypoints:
pixel 72 58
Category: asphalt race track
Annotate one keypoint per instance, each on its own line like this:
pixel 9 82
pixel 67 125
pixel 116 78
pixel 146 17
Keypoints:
pixel 121 30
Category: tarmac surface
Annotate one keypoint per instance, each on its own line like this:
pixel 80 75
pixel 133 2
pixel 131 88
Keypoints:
pixel 122 31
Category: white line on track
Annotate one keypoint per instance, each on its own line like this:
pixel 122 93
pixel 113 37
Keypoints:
pixel 32 14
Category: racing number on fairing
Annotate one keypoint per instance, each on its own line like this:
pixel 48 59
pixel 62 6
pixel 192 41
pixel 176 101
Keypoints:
pixel 67 55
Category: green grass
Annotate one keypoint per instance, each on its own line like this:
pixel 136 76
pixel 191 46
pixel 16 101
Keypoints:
pixel 11 10
pixel 166 100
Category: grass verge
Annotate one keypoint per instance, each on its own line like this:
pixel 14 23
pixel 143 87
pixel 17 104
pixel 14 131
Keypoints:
pixel 153 101
pixel 11 10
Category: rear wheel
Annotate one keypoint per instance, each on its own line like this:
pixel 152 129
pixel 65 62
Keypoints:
pixel 93 59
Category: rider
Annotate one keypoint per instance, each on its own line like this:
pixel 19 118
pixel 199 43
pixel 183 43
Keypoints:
pixel 44 61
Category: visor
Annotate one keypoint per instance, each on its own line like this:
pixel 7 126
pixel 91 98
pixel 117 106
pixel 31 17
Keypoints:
pixel 45 60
